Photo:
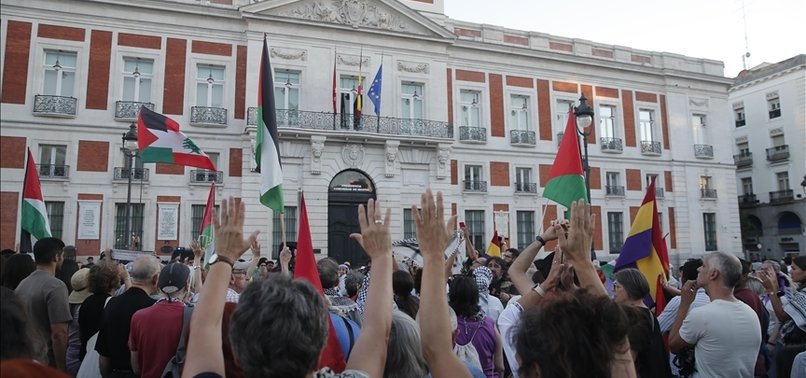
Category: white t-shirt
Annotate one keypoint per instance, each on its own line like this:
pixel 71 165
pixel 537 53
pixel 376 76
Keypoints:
pixel 727 337
pixel 508 322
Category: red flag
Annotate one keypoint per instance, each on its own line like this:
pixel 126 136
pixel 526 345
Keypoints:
pixel 335 88
pixel 305 269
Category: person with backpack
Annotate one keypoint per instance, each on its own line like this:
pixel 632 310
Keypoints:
pixel 477 341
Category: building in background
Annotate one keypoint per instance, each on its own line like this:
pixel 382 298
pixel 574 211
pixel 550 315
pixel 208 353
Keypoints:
pixel 769 112
pixel 475 111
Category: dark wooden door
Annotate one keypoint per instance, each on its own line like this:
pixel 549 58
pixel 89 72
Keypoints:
pixel 343 221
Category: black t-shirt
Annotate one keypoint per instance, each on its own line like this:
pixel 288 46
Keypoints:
pixel 89 318
pixel 113 337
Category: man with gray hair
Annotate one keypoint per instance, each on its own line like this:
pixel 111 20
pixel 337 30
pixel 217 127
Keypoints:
pixel 113 335
pixel 725 334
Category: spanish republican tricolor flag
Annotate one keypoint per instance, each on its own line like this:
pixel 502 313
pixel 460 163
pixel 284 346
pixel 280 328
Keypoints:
pixel 160 141
pixel 645 249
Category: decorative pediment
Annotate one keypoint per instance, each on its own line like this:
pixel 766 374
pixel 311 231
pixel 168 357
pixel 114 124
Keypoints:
pixel 380 15
pixel 353 60
pixel 411 67
pixel 289 54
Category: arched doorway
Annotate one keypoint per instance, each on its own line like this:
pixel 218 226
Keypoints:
pixel 346 191
pixel 789 224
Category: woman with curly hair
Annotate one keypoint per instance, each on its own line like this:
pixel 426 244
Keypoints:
pixel 104 280
pixel 500 286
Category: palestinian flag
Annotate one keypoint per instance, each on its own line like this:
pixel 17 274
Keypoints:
pixel 34 218
pixel 267 149
pixel 160 141
pixel 566 182
pixel 206 230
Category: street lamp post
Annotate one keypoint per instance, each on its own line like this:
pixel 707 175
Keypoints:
pixel 130 151
pixel 584 118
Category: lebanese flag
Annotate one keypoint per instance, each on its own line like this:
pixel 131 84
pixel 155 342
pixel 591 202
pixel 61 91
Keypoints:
pixel 305 269
pixel 34 218
pixel 160 141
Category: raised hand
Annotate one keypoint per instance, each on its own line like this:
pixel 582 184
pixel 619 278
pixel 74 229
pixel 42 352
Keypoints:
pixel 375 237
pixel 229 241
pixel 255 247
pixel 769 279
pixel 433 233
pixel 197 249
pixel 549 233
pixel 577 243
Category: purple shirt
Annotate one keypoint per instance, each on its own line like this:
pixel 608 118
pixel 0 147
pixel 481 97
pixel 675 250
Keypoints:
pixel 484 340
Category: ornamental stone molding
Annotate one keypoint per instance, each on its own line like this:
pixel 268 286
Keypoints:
pixel 317 147
pixel 353 60
pixel 392 162
pixel 411 67
pixel 289 54
pixel 777 131
pixel 443 160
pixel 741 139
pixel 698 102
pixel 354 13
pixel 352 154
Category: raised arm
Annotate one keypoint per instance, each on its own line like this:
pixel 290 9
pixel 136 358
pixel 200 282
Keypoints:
pixel 433 235
pixel 205 353
pixel 517 271
pixel 577 245
pixel 369 353
pixel 770 281
pixel 250 270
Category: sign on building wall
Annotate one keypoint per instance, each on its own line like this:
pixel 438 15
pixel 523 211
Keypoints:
pixel 168 221
pixel 89 220
pixel 502 223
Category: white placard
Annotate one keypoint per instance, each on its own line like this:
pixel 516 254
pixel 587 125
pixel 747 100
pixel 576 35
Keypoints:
pixel 168 223
pixel 89 220
pixel 502 223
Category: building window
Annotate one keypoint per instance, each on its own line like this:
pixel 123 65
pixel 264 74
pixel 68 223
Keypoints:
pixel 60 73
pixel 738 116
pixel 778 141
pixel 709 229
pixel 744 148
pixel 137 77
pixel 615 231
pixel 290 217
pixel 409 231
pixel 121 239
pixel 473 177
pixel 526 228
pixel 774 105
pixel 210 86
pixel 523 179
pixel 660 224
pixel 286 90
pixel 411 100
pixel 474 221
pixel 613 186
pixel 52 161
pixel 649 177
pixel 705 182
pixel 196 217
pixel 519 112
pixel 646 119
pixel 607 121
pixel 747 185
pixel 470 106
pixel 55 217
pixel 561 114
pixel 138 164
pixel 782 178
pixel 700 133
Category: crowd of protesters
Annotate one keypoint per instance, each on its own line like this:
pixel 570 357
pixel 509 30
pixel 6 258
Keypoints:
pixel 508 316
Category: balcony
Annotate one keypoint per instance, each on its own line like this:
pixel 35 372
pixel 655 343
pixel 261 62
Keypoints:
pixel 199 176
pixel 611 144
pixel 525 187
pixel 472 134
pixel 740 122
pixel 208 116
pixel 708 193
pixel 522 138
pixel 127 110
pixel 747 200
pixel 660 193
pixel 55 106
pixel 300 119
pixel 778 153
pixel 704 151
pixel 743 160
pixel 122 174
pixel 53 171
pixel 475 186
pixel 650 147
pixel 559 138
pixel 614 191
pixel 775 113
pixel 781 196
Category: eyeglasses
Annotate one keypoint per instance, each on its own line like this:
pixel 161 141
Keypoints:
pixel 243 272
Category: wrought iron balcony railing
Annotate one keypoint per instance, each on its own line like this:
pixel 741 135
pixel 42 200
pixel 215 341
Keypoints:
pixel 775 113
pixel 747 200
pixel 525 187
pixel 779 196
pixel 778 153
pixel 522 137
pixel 139 174
pixel 208 115
pixel 205 176
pixel 611 144
pixel 475 186
pixel 650 147
pixel 743 160
pixel 660 193
pixel 55 106
pixel 53 171
pixel 704 151
pixel 740 122
pixel 127 110
pixel 708 193
pixel 614 190
pixel 472 134
pixel 366 123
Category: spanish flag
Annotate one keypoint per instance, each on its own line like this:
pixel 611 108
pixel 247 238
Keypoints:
pixel 494 249
pixel 645 249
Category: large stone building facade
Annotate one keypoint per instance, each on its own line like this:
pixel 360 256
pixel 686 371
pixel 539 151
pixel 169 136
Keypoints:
pixel 769 107
pixel 475 111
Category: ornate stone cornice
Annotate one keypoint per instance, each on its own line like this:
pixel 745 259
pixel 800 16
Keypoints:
pixel 404 66
pixel 289 54
pixel 353 13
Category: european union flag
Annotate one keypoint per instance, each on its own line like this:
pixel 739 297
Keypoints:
pixel 375 90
